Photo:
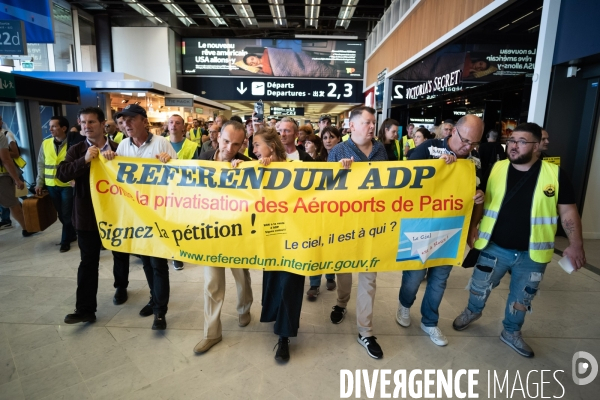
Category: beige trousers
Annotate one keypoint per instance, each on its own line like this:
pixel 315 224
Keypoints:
pixel 365 298
pixel 214 296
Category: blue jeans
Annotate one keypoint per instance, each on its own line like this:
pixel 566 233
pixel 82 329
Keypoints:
pixel 436 285
pixel 62 199
pixel 5 214
pixel 316 280
pixel 493 263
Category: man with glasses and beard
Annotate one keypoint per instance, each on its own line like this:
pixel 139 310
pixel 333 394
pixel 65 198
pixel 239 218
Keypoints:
pixel 465 136
pixel 525 197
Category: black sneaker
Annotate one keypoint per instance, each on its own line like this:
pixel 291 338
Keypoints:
pixel 120 296
pixel 283 349
pixel 160 323
pixel 65 247
pixel 370 343
pixel 80 317
pixel 337 315
pixel 26 234
pixel 148 309
pixel 5 225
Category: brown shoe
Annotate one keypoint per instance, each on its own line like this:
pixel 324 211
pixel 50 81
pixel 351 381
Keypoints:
pixel 206 344
pixel 244 319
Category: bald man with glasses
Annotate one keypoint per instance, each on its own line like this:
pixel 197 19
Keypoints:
pixel 466 135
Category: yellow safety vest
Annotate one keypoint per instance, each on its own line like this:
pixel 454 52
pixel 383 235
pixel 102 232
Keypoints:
pixel 196 135
pixel 187 150
pixel 411 142
pixel 544 214
pixel 51 161
pixel 118 137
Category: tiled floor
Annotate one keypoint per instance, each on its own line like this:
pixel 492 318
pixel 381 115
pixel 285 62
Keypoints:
pixel 120 357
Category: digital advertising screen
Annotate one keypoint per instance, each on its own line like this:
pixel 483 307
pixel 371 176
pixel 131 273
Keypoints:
pixel 314 58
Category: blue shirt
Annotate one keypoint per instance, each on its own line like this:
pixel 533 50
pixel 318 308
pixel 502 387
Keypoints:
pixel 348 149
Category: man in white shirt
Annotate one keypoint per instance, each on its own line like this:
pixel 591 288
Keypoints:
pixel 142 144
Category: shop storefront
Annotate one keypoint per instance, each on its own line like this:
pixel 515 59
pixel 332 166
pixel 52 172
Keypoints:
pixel 487 72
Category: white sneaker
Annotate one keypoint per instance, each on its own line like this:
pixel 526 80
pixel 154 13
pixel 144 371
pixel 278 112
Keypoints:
pixel 435 334
pixel 403 316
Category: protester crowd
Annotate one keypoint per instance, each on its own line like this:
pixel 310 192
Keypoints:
pixel 518 202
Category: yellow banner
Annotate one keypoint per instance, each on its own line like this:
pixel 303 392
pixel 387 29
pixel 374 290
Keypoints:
pixel 306 218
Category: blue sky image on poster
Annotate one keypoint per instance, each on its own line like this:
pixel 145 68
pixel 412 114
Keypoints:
pixel 36 14
pixel 429 238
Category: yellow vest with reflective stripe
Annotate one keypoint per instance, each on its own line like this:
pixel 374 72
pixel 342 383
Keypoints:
pixel 118 137
pixel 187 150
pixel 411 142
pixel 51 161
pixel 196 135
pixel 544 214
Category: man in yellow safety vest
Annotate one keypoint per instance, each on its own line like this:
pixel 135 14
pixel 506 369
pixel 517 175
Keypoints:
pixel 185 149
pixel 197 134
pixel 52 153
pixel 524 199
pixel 112 132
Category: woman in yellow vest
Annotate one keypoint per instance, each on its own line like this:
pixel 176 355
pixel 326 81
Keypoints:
pixel 524 199
pixel 388 136
pixel 52 152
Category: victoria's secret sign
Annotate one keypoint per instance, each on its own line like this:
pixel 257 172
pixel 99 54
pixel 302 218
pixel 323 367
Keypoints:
pixel 436 84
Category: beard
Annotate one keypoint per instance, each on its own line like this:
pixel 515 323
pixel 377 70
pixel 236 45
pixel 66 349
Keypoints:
pixel 520 159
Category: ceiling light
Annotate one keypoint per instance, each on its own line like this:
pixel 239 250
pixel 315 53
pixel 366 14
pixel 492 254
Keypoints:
pixel 531 12
pixel 278 12
pixel 503 27
pixel 178 12
pixel 211 11
pixel 311 13
pixel 244 11
pixel 346 13
pixel 140 8
pixel 533 27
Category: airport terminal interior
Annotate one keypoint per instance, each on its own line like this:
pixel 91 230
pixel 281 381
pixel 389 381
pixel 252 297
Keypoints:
pixel 417 67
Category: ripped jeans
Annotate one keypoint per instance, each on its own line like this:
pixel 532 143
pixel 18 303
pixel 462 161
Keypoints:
pixel 493 263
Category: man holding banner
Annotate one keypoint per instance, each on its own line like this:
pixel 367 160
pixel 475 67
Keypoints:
pixel 76 166
pixel 230 139
pixel 360 147
pixel 458 145
pixel 142 144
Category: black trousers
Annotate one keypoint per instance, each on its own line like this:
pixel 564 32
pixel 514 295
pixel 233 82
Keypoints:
pixel 121 269
pixel 87 274
pixel 157 275
pixel 282 301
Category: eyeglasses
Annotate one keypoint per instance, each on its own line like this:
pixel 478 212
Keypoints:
pixel 107 126
pixel 520 143
pixel 466 141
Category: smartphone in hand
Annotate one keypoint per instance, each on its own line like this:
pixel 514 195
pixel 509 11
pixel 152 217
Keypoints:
pixel 259 112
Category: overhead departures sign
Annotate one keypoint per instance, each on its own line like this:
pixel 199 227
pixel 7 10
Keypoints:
pixel 306 218
pixel 315 58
